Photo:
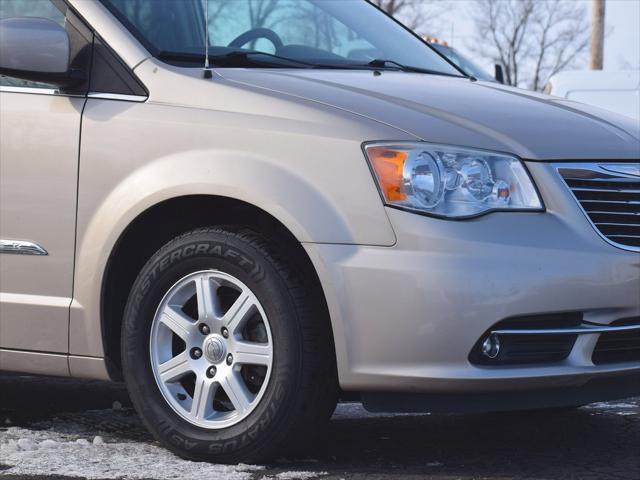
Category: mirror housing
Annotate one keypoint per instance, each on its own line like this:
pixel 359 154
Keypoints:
pixel 38 50
pixel 499 73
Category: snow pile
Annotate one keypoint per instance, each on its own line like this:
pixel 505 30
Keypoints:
pixel 70 445
pixel 33 452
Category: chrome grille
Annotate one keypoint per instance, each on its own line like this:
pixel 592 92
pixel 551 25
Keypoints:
pixel 610 196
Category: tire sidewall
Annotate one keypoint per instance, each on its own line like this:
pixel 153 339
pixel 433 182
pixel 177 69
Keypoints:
pixel 211 251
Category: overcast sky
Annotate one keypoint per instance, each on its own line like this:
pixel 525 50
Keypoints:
pixel 622 46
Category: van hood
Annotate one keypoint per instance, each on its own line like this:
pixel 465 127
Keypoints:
pixel 458 111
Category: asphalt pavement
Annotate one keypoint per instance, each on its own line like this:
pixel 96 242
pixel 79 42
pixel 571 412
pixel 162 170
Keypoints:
pixel 61 429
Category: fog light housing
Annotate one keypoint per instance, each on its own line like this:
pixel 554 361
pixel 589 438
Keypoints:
pixel 491 346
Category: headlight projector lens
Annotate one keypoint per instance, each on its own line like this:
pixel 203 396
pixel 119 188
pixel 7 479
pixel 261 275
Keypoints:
pixel 424 179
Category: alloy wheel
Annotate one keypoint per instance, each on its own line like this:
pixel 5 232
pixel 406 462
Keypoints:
pixel 211 349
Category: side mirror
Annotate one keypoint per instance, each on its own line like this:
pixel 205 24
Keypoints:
pixel 499 73
pixel 38 50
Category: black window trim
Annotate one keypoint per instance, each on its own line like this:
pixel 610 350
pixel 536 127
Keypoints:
pixel 107 95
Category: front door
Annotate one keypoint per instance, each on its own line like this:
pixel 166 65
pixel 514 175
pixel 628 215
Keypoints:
pixel 39 145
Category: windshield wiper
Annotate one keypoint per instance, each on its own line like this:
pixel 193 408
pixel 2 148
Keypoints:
pixel 250 58
pixel 237 59
pixel 383 63
pixel 245 58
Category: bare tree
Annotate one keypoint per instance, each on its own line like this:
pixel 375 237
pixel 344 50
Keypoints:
pixel 260 11
pixel 418 15
pixel 531 39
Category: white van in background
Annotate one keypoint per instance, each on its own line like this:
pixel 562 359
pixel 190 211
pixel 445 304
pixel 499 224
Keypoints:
pixel 616 91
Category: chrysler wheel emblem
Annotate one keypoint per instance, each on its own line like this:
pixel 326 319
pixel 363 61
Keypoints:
pixel 214 349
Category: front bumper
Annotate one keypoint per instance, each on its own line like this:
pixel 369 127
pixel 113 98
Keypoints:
pixel 406 318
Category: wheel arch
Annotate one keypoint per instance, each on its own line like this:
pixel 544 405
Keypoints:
pixel 162 222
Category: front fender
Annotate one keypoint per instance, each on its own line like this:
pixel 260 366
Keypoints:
pixel 318 186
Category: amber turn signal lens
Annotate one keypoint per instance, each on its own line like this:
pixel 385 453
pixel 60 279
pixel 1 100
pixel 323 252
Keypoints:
pixel 388 166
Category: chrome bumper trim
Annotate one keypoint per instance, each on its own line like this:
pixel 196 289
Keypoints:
pixel 581 330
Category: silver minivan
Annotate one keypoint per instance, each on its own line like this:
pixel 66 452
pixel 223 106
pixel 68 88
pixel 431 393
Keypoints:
pixel 247 209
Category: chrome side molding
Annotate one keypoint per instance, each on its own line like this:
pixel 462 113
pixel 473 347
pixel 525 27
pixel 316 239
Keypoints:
pixel 55 92
pixel 20 247
pixel 117 96
pixel 37 91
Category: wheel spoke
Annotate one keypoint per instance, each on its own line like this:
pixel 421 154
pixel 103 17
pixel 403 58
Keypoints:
pixel 202 405
pixel 177 322
pixel 175 368
pixel 237 314
pixel 251 353
pixel 206 297
pixel 237 392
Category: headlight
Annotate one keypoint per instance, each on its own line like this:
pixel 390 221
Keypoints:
pixel 450 181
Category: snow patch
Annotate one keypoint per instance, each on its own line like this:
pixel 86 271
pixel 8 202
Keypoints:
pixel 46 452
pixel 299 475
pixel 356 410
pixel 611 405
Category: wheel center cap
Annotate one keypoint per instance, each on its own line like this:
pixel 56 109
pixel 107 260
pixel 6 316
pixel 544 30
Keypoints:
pixel 215 349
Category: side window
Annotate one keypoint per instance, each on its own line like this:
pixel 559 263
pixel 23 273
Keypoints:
pixel 80 39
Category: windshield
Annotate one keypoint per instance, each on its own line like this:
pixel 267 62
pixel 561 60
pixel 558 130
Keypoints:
pixel 276 33
pixel 463 63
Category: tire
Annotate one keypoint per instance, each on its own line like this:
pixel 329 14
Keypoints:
pixel 296 389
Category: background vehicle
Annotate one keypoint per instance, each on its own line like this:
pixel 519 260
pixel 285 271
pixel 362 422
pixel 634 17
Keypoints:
pixel 242 228
pixel 616 91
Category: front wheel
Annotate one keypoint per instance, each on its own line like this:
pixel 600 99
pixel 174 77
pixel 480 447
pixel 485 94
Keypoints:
pixel 225 354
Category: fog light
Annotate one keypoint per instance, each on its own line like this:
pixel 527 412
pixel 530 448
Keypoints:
pixel 491 346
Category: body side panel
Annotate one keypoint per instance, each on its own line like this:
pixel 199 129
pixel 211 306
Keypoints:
pixel 34 362
pixel 39 139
